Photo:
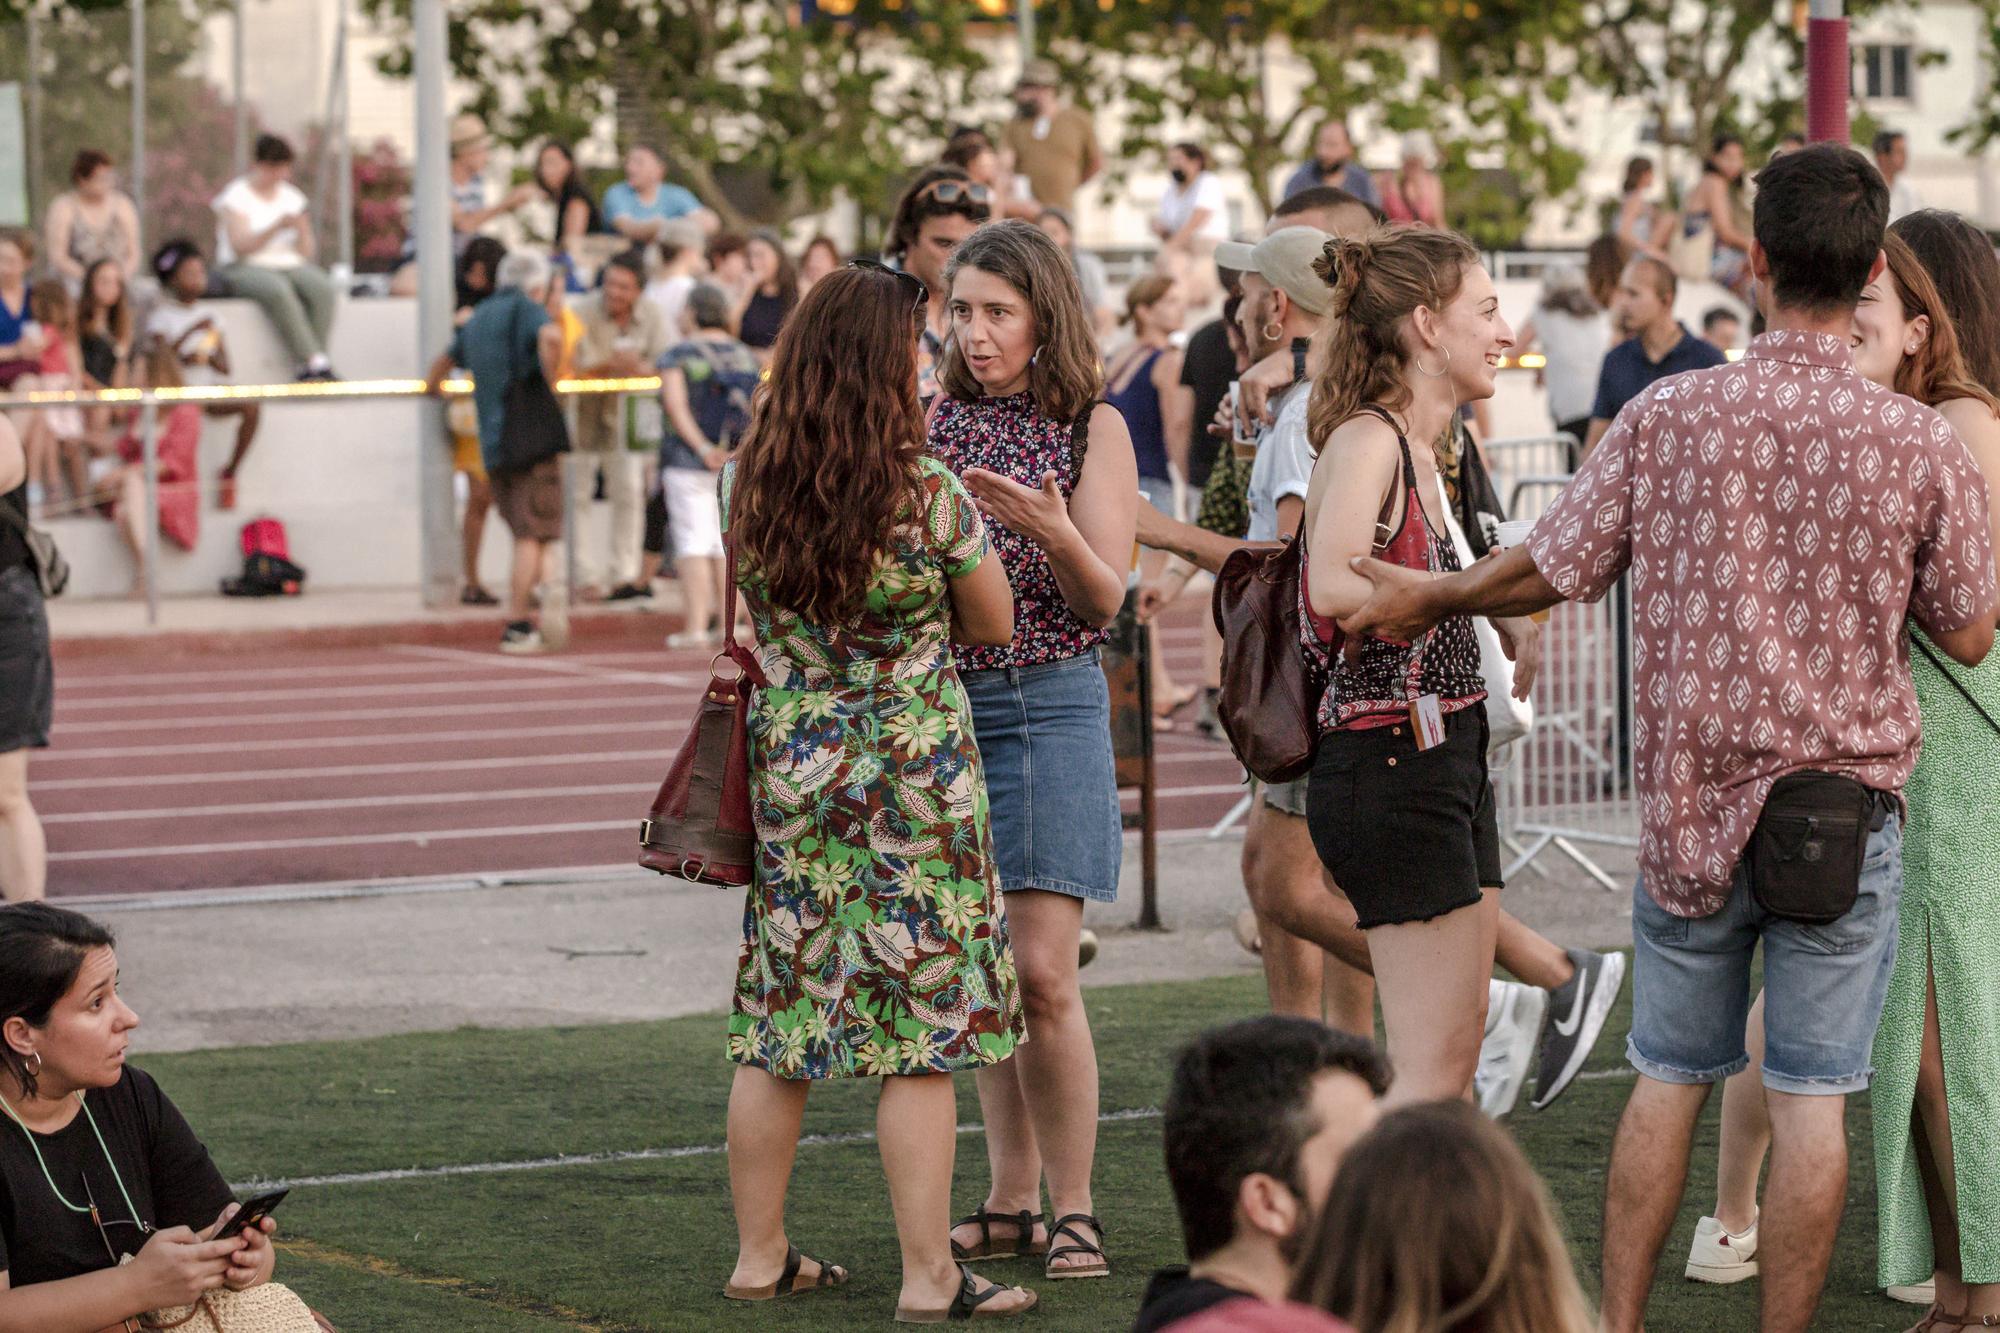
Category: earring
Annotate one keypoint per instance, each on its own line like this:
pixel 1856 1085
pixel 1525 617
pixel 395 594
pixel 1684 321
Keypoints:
pixel 1272 332
pixel 1910 350
pixel 36 1056
pixel 1418 361
pixel 1036 358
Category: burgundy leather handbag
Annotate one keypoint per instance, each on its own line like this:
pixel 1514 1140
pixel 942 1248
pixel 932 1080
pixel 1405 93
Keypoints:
pixel 1269 701
pixel 700 826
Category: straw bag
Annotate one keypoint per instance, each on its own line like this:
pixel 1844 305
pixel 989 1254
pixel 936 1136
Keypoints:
pixel 700 826
pixel 1691 253
pixel 268 1308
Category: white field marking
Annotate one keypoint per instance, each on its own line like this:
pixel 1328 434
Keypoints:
pixel 471 689
pixel 354 803
pixel 351 840
pixel 498 731
pixel 556 665
pixel 603 1158
pixel 72 681
pixel 348 770
pixel 414 838
pixel 461 708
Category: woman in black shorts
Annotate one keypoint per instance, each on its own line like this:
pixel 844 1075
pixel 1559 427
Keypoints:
pixel 27 683
pixel 1399 805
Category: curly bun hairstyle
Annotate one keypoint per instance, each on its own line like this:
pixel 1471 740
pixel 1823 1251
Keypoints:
pixel 1378 279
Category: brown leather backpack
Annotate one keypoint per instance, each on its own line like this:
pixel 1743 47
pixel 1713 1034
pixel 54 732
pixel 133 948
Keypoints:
pixel 1269 702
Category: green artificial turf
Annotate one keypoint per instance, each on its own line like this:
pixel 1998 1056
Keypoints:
pixel 646 1244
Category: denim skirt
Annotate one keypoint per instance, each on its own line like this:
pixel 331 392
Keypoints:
pixel 27 680
pixel 1044 736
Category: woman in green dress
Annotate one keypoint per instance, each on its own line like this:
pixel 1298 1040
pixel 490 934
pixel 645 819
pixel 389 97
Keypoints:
pixel 1936 1098
pixel 874 940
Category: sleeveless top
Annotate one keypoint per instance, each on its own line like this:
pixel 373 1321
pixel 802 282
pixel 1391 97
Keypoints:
pixel 89 243
pixel 1377 690
pixel 1010 436
pixel 1139 403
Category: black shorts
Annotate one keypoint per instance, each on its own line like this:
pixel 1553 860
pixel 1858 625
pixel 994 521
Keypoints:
pixel 1407 835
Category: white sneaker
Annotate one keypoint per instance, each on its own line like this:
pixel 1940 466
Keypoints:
pixel 1920 1293
pixel 1721 1257
pixel 1513 1026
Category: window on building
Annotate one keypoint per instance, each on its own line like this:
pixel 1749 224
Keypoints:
pixel 1886 72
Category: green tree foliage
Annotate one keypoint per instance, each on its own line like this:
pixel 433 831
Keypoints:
pixel 761 114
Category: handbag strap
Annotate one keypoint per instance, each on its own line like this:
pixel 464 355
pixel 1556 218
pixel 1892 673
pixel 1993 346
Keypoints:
pixel 729 595
pixel 1956 683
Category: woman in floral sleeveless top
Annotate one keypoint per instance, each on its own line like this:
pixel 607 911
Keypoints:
pixel 874 938
pixel 1399 792
pixel 1019 421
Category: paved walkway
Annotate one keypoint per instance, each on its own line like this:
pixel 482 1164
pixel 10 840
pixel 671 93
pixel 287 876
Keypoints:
pixel 609 949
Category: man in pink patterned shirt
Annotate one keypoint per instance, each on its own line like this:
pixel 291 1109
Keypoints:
pixel 1781 519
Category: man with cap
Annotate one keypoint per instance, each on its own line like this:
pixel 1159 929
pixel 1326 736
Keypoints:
pixel 1054 146
pixel 471 145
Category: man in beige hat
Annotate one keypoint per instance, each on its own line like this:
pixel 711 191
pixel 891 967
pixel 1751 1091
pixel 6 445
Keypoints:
pixel 471 146
pixel 1053 145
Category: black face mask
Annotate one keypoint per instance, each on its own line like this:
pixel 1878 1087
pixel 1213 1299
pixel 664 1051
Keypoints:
pixel 1027 108
pixel 1327 168
pixel 1180 175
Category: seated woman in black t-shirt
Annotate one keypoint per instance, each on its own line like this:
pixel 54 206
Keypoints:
pixel 95 1162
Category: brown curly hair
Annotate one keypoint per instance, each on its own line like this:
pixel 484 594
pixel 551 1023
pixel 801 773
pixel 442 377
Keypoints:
pixel 832 461
pixel 1377 280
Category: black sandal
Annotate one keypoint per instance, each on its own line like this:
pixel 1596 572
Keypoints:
pixel 969 1303
pixel 1067 1226
pixel 1024 1241
pixel 789 1283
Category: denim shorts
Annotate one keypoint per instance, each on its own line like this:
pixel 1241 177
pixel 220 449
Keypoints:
pixel 1044 735
pixel 1823 985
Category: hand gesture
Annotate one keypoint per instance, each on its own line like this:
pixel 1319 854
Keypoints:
pixel 176 1267
pixel 1396 610
pixel 1521 640
pixel 1223 425
pixel 1271 376
pixel 1038 515
pixel 1154 597
pixel 246 1261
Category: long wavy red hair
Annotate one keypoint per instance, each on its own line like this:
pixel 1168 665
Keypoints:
pixel 830 463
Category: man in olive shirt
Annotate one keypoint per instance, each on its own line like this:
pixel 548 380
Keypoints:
pixel 1054 146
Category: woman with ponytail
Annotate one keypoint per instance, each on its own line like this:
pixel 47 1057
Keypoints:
pixel 1399 783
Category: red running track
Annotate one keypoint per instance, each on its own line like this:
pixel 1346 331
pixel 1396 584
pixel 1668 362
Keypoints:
pixel 330 765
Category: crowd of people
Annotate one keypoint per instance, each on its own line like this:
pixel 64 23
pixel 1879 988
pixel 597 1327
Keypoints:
pixel 929 472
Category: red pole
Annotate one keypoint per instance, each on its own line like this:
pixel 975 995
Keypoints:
pixel 1826 73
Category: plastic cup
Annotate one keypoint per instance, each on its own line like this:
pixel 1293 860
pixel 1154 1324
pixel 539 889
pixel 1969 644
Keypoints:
pixel 1515 531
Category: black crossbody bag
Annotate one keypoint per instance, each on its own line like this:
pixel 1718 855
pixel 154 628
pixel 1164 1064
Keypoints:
pixel 1806 852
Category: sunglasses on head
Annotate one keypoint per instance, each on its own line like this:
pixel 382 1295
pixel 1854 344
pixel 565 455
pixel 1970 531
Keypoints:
pixel 911 281
pixel 957 191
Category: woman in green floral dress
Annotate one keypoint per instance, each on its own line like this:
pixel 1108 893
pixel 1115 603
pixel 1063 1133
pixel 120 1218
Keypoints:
pixel 874 940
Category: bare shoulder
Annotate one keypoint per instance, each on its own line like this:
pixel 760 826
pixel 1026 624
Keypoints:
pixel 1972 419
pixel 1107 426
pixel 1362 439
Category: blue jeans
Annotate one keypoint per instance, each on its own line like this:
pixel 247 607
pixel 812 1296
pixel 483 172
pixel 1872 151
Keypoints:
pixel 1823 985
pixel 1044 735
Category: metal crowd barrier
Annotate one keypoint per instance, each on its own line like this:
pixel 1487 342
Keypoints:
pixel 148 401
pixel 1568 784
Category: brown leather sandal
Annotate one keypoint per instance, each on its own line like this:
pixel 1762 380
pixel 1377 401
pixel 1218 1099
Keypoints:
pixel 1081 1245
pixel 789 1283
pixel 970 1303
pixel 990 1246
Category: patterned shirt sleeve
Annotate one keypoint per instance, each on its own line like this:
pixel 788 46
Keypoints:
pixel 1584 541
pixel 953 527
pixel 1955 582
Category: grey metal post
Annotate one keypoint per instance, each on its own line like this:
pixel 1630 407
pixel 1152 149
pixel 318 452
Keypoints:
pixel 1024 21
pixel 139 118
pixel 343 144
pixel 238 89
pixel 34 114
pixel 149 445
pixel 439 536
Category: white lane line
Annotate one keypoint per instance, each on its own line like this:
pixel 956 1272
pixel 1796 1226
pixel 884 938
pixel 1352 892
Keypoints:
pixel 602 1158
pixel 597 757
pixel 557 665
pixel 355 803
pixel 460 709
pixel 426 837
pixel 470 689
pixel 74 680
pixel 499 731
pixel 419 839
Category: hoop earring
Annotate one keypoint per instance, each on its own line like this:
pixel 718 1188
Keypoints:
pixel 1272 332
pixel 36 1056
pixel 1418 362
pixel 1035 359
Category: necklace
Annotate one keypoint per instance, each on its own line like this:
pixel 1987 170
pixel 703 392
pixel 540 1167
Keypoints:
pixel 36 1148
